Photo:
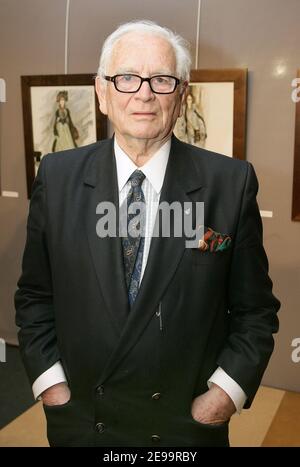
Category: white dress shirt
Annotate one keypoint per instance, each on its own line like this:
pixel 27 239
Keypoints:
pixel 154 171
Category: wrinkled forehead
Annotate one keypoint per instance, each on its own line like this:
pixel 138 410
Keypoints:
pixel 137 51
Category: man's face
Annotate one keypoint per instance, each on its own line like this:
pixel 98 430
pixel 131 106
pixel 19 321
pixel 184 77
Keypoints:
pixel 143 115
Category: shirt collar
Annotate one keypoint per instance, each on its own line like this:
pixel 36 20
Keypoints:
pixel 154 169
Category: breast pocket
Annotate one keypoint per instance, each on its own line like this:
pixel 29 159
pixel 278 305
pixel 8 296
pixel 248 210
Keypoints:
pixel 202 258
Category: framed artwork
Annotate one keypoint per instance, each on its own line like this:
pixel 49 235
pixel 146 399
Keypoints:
pixel 296 180
pixel 59 112
pixel 214 112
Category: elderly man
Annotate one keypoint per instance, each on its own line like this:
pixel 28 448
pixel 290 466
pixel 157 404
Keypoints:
pixel 137 340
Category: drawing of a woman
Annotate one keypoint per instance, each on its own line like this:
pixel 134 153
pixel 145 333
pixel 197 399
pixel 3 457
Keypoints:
pixel 195 124
pixel 65 133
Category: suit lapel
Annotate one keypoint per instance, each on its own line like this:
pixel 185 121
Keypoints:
pixel 101 181
pixel 165 253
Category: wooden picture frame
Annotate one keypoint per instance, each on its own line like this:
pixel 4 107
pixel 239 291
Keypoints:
pixel 296 176
pixel 59 112
pixel 214 114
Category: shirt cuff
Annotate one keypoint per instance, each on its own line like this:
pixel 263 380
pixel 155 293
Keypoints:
pixel 231 387
pixel 54 375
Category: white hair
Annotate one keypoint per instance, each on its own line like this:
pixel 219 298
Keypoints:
pixel 180 46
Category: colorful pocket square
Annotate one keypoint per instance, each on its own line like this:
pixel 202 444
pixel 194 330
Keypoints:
pixel 214 241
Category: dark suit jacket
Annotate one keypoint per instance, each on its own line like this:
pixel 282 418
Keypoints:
pixel 217 309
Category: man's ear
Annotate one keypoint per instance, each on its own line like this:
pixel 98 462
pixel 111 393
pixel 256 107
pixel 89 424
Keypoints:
pixel 100 87
pixel 183 94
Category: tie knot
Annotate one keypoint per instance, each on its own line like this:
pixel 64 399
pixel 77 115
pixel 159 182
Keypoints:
pixel 136 178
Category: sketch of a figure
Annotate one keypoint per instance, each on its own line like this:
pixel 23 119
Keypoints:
pixel 191 127
pixel 195 124
pixel 63 117
pixel 65 133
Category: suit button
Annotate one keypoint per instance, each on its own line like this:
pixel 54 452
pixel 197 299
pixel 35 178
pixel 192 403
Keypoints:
pixel 156 396
pixel 100 390
pixel 155 438
pixel 100 427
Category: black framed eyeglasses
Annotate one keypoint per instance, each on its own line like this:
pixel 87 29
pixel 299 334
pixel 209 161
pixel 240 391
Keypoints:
pixel 159 84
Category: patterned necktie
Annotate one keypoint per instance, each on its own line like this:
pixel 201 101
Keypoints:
pixel 133 243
